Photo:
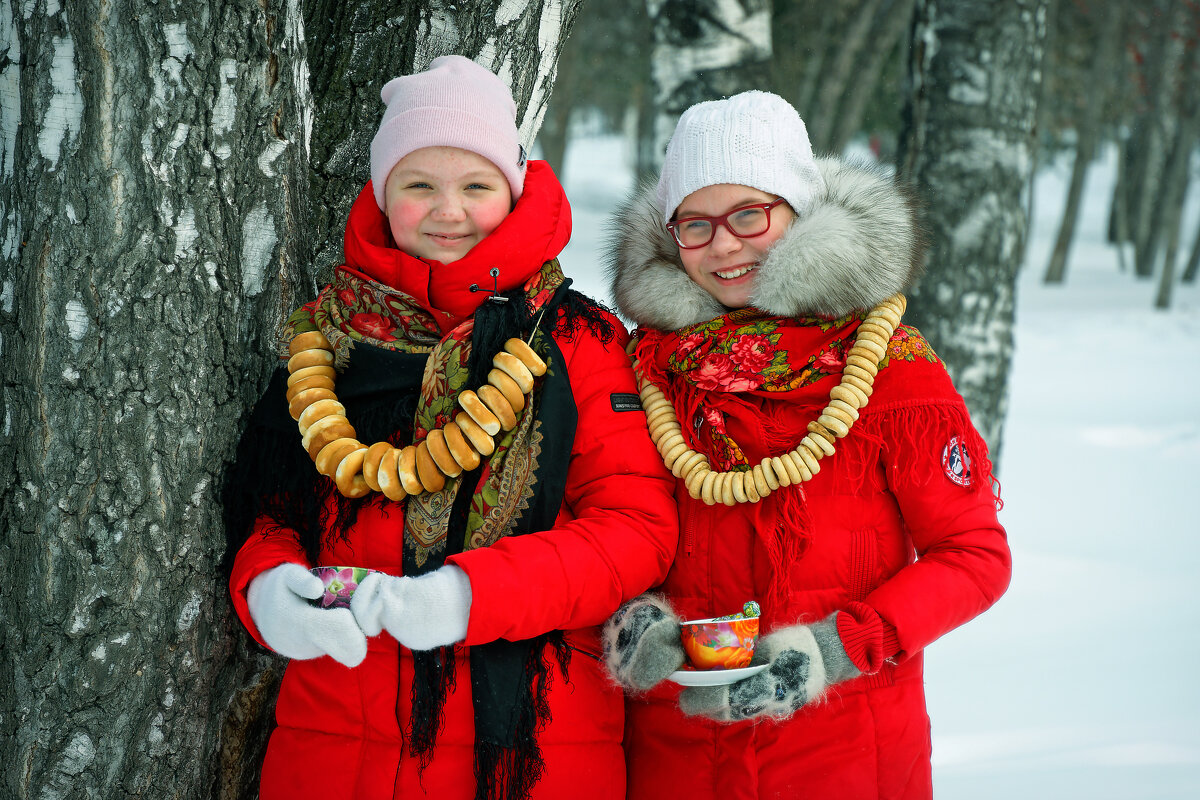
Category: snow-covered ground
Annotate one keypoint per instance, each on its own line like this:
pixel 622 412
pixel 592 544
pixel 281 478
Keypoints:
pixel 1083 681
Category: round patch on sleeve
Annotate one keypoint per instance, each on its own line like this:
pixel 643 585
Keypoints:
pixel 956 462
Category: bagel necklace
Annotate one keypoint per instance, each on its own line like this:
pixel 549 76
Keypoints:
pixel 797 465
pixel 398 472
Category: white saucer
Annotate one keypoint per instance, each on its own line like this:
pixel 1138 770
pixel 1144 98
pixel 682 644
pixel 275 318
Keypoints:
pixel 714 677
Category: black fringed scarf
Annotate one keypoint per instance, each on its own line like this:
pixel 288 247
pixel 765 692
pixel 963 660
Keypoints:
pixel 381 389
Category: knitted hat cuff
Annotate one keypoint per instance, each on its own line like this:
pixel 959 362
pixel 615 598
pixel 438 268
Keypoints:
pixel 440 127
pixel 753 139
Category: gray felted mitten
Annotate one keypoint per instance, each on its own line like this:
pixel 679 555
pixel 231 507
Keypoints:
pixel 641 643
pixel 804 660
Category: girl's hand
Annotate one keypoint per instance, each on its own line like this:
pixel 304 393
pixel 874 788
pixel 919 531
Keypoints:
pixel 641 643
pixel 421 613
pixel 279 605
pixel 804 661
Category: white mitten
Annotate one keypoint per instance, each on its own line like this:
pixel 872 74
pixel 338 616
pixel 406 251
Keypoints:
pixel 278 600
pixel 421 613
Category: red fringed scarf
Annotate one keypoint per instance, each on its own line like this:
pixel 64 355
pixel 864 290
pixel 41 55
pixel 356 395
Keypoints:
pixel 709 370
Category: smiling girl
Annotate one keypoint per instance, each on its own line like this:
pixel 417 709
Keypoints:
pixel 455 418
pixel 825 467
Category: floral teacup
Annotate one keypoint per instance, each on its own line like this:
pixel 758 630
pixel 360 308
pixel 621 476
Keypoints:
pixel 720 642
pixel 340 583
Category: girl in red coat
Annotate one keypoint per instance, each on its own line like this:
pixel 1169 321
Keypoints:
pixel 507 508
pixel 825 467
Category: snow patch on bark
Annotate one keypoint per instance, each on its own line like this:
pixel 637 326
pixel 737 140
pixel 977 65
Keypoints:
pixel 258 247
pixel 510 10
pixel 12 241
pixel 185 232
pixel 178 50
pixel 225 108
pixel 10 90
pixel 972 90
pixel 179 47
pixel 76 757
pixel 77 320
pixel 293 37
pixel 441 32
pixel 274 149
pixel 189 612
pixel 65 111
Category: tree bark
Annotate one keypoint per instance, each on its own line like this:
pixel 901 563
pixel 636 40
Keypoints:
pixel 704 51
pixel 968 148
pixel 882 49
pixel 154 199
pixel 152 237
pixel 1193 262
pixel 359 46
pixel 1158 128
pixel 838 77
pixel 1178 172
pixel 1087 132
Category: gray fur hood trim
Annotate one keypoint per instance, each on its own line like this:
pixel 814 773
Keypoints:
pixel 859 243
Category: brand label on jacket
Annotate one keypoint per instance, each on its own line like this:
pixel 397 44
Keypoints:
pixel 956 462
pixel 623 401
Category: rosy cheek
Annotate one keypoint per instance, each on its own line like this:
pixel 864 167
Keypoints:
pixel 404 216
pixel 490 217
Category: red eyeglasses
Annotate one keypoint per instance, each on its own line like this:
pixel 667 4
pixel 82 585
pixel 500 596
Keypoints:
pixel 744 222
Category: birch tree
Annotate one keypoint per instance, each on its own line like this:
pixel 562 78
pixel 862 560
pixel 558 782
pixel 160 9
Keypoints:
pixel 969 150
pixel 702 51
pixel 154 229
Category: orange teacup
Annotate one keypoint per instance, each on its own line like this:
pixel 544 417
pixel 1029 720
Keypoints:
pixel 719 643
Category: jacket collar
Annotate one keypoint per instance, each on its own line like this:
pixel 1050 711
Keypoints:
pixel 858 244
pixel 536 230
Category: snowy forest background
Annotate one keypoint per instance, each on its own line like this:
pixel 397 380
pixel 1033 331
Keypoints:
pixel 174 176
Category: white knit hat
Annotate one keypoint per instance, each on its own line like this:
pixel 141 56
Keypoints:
pixel 753 139
pixel 453 103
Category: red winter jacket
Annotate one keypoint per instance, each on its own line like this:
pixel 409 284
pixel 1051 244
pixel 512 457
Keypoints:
pixel 898 541
pixel 614 536
pixel 902 550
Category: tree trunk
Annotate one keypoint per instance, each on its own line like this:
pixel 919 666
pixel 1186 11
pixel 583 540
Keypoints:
pixel 1173 197
pixel 154 197
pixel 1087 132
pixel 796 23
pixel 1118 216
pixel 152 237
pixel 1158 127
pixel 968 148
pixel 704 51
pixel 882 48
pixel 839 76
pixel 1178 172
pixel 366 43
pixel 1193 263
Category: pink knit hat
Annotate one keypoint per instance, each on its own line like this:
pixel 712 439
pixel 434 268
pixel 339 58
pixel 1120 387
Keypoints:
pixel 453 103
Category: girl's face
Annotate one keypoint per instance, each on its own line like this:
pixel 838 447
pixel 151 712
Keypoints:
pixel 726 266
pixel 442 201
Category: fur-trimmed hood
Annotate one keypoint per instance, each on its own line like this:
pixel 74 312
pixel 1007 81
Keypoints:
pixel 858 243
